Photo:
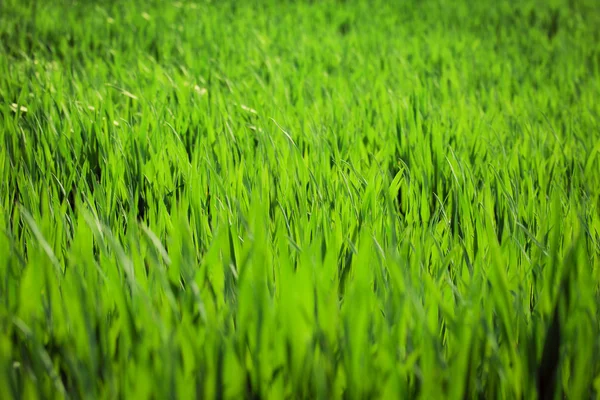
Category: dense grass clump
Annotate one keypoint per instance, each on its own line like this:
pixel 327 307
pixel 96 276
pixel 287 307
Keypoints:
pixel 293 199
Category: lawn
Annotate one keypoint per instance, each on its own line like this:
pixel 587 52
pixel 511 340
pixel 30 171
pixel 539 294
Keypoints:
pixel 294 199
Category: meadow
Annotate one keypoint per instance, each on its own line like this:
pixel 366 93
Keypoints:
pixel 294 199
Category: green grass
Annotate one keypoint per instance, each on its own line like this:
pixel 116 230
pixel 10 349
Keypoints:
pixel 277 199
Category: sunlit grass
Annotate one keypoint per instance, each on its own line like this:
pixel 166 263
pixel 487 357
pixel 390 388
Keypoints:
pixel 276 199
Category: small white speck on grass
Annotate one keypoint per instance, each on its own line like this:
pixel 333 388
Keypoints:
pixel 110 20
pixel 146 16
pixel 91 108
pixel 123 91
pixel 116 123
pixel 250 110
pixel 254 128
pixel 15 107
pixel 200 90
pixel 130 95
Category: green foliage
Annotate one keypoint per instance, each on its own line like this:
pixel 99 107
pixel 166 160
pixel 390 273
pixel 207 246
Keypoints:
pixel 276 199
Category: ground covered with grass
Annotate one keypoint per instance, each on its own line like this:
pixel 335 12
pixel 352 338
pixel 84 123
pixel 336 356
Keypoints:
pixel 277 199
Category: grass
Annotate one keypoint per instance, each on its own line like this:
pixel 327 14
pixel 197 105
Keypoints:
pixel 277 199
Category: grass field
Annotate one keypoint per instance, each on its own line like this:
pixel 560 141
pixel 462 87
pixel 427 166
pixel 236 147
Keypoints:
pixel 279 199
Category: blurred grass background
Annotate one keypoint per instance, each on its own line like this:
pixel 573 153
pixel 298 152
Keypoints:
pixel 278 199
